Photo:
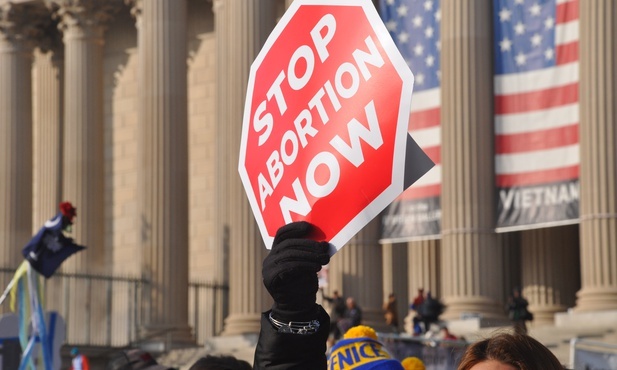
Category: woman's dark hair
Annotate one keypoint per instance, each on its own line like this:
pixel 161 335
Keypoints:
pixel 220 363
pixel 518 350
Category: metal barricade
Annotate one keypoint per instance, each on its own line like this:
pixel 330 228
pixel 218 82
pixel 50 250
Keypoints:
pixel 436 354
pixel 107 311
pixel 592 355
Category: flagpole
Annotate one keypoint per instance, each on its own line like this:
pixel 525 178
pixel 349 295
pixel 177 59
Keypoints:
pixel 12 282
pixel 6 291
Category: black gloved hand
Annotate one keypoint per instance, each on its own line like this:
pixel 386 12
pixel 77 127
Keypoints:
pixel 290 271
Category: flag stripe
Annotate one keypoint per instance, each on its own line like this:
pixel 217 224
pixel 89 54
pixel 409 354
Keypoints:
pixel 427 137
pixel 536 100
pixel 537 140
pixel 566 12
pixel 516 123
pixel 434 153
pixel 547 159
pixel 567 53
pixel 566 33
pixel 536 80
pixel 538 177
pixel 427 99
pixel 425 118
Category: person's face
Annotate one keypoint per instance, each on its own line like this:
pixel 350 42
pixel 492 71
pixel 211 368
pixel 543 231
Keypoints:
pixel 492 365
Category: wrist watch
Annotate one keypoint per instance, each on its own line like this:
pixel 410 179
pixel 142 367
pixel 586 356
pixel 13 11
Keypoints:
pixel 295 327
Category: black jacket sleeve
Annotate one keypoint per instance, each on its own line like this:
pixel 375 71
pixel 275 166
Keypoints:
pixel 284 351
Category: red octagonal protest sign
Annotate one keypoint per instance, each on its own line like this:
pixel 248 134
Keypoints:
pixel 325 120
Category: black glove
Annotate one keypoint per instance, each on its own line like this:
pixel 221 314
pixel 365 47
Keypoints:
pixel 290 271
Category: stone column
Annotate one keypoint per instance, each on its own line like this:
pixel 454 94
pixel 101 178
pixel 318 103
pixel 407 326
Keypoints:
pixel 163 166
pixel 471 255
pixel 47 108
pixel 423 267
pixel 83 23
pixel 423 271
pixel 48 101
pixel 242 27
pixel 222 166
pixel 15 133
pixel 550 271
pixel 394 266
pixel 598 141
pixel 356 271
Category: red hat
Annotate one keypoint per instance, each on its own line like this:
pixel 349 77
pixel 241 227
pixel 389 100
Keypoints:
pixel 68 211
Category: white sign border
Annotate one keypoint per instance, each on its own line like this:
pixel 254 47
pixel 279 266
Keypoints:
pixel 398 165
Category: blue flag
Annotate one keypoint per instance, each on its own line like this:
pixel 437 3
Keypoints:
pixel 50 247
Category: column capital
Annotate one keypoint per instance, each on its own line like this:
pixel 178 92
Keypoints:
pixel 17 24
pixel 217 5
pixel 88 18
pixel 136 7
pixel 50 38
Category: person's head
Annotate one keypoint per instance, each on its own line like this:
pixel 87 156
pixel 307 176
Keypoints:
pixel 68 214
pixel 413 363
pixel 134 359
pixel 516 292
pixel 74 351
pixel 420 291
pixel 368 352
pixel 221 362
pixel 392 297
pixel 506 351
pixel 335 293
pixel 351 303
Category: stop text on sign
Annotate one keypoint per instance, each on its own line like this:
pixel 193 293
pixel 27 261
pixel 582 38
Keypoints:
pixel 342 86
pixel 325 121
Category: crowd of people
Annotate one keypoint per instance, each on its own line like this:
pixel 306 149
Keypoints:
pixel 297 332
pixel 427 310
pixel 344 314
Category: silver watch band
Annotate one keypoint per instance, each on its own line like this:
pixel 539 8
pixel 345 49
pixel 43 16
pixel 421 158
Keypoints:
pixel 295 327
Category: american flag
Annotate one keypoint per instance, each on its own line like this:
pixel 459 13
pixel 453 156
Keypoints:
pixel 536 92
pixel 414 26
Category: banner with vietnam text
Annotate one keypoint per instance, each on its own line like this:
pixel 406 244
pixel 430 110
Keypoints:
pixel 536 113
pixel 415 27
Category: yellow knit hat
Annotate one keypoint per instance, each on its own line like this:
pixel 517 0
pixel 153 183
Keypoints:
pixel 413 363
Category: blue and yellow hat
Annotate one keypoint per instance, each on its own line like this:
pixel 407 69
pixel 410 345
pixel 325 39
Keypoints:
pixel 360 349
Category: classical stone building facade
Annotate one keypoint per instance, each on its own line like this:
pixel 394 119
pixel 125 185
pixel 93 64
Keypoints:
pixel 132 110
